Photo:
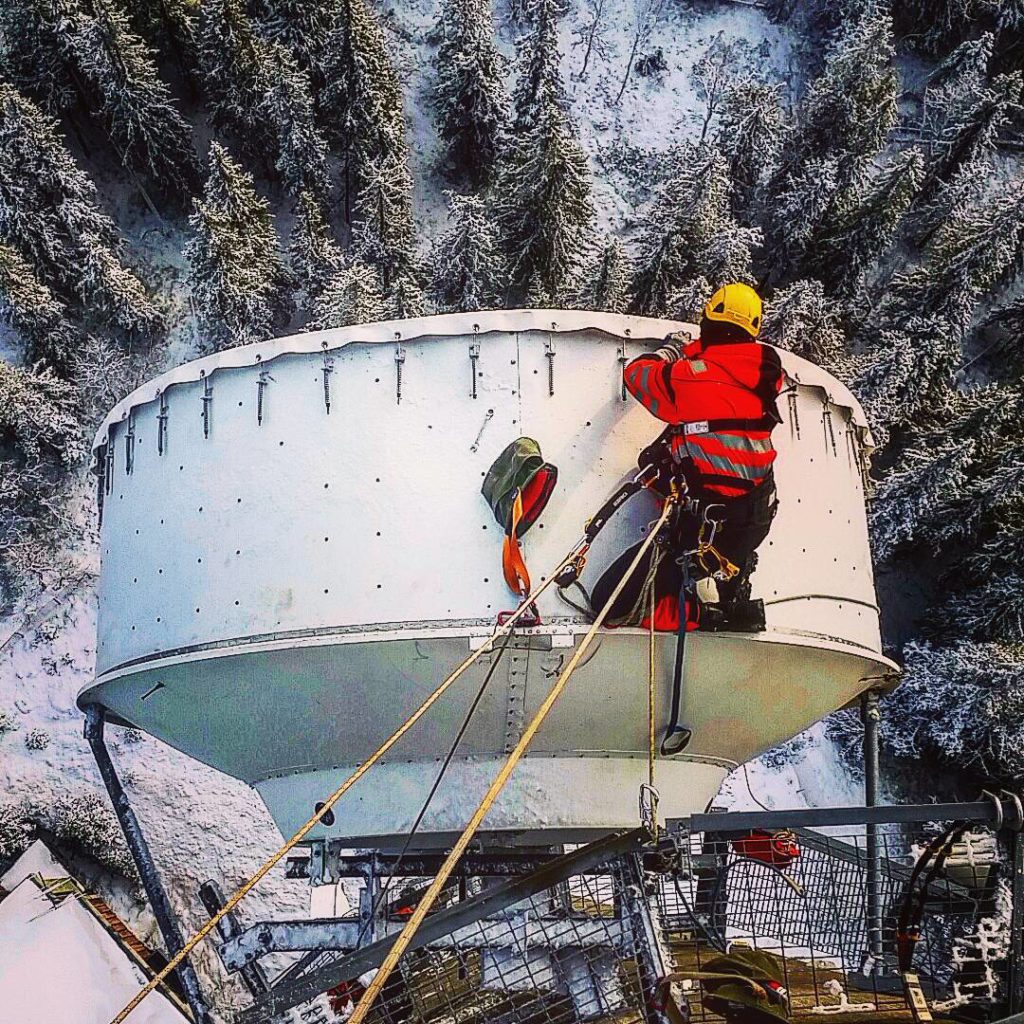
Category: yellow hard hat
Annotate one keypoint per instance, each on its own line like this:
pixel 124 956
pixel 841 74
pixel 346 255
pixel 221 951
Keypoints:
pixel 736 304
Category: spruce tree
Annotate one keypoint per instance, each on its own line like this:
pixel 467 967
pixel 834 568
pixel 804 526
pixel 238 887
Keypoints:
pixel 352 296
pixel 472 108
pixel 31 54
pixel 385 235
pixel 931 26
pixel 974 250
pixel 303 29
pixel 689 232
pixel 315 256
pixel 466 259
pixel 41 440
pixel 258 90
pixel 542 196
pixel 49 212
pixel 544 207
pixel 607 287
pixel 134 103
pixel 170 26
pixel 803 319
pixel 749 135
pixel 538 60
pixel 363 99
pixel 239 283
pixel 38 317
pixel 301 150
pixel 866 221
pixel 850 107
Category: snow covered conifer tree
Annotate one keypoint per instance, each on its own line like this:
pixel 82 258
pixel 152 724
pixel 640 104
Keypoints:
pixel 236 71
pixel 133 101
pixel 749 134
pixel 238 280
pixel 933 25
pixel 802 319
pixel 850 107
pixel 363 99
pixel 689 232
pixel 542 196
pixel 975 249
pixel 538 59
pixel 50 214
pixel 866 220
pixel 607 287
pixel 467 260
pixel 472 108
pixel 384 234
pixel 315 256
pixel 302 28
pixel 170 26
pixel 352 296
pixel 301 149
pixel 406 297
pixel 31 54
pixel 39 318
pixel 258 90
pixel 970 120
pixel 543 205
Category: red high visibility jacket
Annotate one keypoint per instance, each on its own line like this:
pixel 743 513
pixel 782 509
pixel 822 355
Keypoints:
pixel 723 398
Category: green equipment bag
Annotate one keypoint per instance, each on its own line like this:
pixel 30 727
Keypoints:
pixel 521 469
pixel 745 986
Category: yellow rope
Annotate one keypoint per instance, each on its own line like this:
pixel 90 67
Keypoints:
pixel 650 694
pixel 430 896
pixel 275 858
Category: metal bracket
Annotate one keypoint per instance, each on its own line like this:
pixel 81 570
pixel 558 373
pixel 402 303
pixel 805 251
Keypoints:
pixel 474 355
pixel 129 445
pixel 549 354
pixel 327 371
pixel 830 433
pixel 161 425
pixel 229 929
pixel 261 386
pixel 623 359
pixel 207 400
pixel 399 362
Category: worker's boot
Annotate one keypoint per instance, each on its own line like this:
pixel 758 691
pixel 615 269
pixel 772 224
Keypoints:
pixel 733 617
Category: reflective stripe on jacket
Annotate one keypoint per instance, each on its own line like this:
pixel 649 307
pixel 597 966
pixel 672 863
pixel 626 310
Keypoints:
pixel 731 381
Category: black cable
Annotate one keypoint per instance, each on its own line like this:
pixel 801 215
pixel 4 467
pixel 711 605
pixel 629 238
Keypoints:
pixel 375 909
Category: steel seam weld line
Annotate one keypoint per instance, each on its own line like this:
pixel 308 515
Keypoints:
pixel 272 861
pixel 423 908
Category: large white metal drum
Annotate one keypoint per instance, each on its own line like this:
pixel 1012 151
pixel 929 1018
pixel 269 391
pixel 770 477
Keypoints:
pixel 295 552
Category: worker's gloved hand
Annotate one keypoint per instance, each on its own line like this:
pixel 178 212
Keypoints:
pixel 672 347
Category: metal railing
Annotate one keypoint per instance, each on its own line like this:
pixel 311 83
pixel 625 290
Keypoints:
pixel 588 935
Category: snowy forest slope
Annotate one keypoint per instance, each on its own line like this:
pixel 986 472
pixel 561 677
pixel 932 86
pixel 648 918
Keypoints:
pixel 177 178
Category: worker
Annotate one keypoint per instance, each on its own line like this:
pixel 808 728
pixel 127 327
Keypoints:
pixel 718 395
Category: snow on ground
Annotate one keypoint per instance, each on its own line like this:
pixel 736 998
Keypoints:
pixel 200 824
pixel 812 776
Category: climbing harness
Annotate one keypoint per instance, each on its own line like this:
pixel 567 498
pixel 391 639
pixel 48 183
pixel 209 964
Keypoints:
pixel 407 934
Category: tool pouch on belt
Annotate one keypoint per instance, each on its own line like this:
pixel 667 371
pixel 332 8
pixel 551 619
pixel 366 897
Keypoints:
pixel 517 488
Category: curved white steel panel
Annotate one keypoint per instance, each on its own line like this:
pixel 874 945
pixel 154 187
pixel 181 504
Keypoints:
pixel 282 582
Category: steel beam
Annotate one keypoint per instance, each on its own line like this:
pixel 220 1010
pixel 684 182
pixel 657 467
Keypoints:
pixel 870 714
pixel 133 834
pixel 817 817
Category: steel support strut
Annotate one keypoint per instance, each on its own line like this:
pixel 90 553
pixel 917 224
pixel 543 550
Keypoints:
pixel 94 721
pixel 871 715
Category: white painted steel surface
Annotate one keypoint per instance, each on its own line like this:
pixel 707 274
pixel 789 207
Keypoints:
pixel 282 585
